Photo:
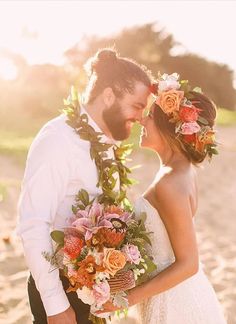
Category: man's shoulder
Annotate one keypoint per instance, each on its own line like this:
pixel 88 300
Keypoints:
pixel 56 136
pixel 56 125
pixel 59 129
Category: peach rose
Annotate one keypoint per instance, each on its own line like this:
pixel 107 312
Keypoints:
pixel 113 260
pixel 169 101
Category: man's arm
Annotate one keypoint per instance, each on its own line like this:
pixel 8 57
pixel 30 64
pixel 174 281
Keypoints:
pixel 43 188
pixel 66 317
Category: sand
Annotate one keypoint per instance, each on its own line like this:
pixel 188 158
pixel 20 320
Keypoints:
pixel 215 224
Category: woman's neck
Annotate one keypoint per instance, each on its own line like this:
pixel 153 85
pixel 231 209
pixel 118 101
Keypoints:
pixel 173 159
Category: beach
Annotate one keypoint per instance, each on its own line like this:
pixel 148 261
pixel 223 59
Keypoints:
pixel 215 226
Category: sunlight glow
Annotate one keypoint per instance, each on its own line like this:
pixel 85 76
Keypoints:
pixel 8 70
pixel 42 31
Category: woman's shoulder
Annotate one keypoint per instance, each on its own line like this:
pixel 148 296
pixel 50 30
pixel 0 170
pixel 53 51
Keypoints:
pixel 174 185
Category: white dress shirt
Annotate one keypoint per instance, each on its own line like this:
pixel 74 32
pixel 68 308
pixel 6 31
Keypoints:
pixel 57 167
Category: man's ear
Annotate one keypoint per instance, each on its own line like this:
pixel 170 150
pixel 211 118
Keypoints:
pixel 108 97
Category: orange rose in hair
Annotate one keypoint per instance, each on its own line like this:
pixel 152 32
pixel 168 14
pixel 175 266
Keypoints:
pixel 169 101
pixel 113 260
pixel 207 137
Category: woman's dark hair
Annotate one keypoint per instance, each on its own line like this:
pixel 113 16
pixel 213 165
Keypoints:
pixel 107 69
pixel 167 129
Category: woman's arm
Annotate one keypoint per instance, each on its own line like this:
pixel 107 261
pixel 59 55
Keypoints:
pixel 175 210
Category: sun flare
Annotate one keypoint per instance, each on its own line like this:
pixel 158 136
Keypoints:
pixel 8 70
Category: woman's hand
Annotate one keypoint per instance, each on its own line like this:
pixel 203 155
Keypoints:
pixel 108 307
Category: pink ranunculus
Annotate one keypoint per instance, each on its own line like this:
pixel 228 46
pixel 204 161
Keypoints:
pixel 190 128
pixel 101 292
pixel 132 253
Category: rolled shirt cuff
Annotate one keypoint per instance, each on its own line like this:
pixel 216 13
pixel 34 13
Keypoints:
pixel 55 304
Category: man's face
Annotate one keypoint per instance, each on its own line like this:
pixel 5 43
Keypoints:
pixel 120 116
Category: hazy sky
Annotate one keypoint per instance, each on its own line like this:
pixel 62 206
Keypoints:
pixel 43 30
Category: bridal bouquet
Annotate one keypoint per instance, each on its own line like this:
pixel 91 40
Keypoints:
pixel 102 252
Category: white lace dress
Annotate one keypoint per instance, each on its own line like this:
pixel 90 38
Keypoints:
pixel 193 301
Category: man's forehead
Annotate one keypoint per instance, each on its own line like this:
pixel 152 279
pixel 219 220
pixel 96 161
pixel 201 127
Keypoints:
pixel 140 94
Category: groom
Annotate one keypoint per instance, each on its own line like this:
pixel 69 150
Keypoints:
pixel 59 165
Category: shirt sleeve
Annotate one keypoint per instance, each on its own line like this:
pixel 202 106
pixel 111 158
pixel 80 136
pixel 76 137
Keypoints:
pixel 43 188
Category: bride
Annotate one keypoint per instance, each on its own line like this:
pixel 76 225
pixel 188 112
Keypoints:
pixel 179 128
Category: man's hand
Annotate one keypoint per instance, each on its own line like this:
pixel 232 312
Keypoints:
pixel 66 317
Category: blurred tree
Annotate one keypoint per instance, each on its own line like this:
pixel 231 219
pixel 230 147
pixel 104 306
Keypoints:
pixel 38 90
pixel 216 80
pixel 152 46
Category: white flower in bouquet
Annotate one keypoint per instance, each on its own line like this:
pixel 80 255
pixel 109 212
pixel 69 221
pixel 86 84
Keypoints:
pixel 86 295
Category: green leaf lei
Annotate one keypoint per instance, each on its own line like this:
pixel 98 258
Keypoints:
pixel 106 167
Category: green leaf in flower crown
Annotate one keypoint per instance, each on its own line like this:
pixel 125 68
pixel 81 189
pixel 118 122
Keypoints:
pixel 58 237
pixel 197 89
pixel 202 120
pixel 213 150
pixel 184 86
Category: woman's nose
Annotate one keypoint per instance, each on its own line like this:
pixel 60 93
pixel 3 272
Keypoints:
pixel 143 121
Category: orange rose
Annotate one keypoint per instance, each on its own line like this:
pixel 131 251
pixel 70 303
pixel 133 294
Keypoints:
pixel 113 260
pixel 169 101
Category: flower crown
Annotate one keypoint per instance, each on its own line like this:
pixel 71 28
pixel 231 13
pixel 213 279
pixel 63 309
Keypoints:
pixel 174 98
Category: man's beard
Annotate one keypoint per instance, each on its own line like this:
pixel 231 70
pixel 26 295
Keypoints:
pixel 116 122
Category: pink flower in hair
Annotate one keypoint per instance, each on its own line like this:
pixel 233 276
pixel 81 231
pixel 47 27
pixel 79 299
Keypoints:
pixel 190 128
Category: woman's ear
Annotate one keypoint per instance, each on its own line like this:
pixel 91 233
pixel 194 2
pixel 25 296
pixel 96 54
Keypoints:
pixel 108 97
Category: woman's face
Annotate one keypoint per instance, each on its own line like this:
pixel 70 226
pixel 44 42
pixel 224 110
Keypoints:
pixel 150 135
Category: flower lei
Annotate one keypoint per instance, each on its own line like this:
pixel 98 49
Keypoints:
pixel 106 167
pixel 174 98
